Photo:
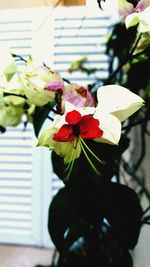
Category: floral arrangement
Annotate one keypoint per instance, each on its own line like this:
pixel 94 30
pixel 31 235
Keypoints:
pixel 92 220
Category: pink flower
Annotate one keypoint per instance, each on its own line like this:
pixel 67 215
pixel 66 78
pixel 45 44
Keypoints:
pixel 78 95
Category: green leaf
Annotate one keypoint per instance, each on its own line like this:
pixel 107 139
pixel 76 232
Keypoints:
pixel 120 41
pixel 40 115
pixel 77 64
pixel 75 231
pixel 61 216
pixel 136 82
pixel 123 212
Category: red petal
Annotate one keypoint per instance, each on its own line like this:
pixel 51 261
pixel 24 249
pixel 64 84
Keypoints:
pixel 89 128
pixel 65 134
pixel 73 117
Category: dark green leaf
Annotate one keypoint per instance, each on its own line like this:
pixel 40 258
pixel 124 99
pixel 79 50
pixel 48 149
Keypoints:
pixel 136 82
pixel 123 211
pixel 40 115
pixel 61 216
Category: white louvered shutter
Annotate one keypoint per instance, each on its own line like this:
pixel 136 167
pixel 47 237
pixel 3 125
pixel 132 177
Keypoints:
pixel 25 170
pixel 80 34
pixel 16 202
pixel 27 183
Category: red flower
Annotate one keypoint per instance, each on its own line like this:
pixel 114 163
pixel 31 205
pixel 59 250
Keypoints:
pixel 84 126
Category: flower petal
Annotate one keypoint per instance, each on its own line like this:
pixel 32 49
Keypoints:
pixel 89 128
pixel 125 8
pixel 82 110
pixel 65 134
pixel 78 95
pixel 54 85
pixel 139 17
pixel 40 83
pixel 73 117
pixel 67 149
pixel 46 137
pixel 119 101
pixel 111 128
pixel 63 149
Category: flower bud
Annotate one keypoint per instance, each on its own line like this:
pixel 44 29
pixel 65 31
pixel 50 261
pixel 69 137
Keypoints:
pixel 40 83
pixel 142 19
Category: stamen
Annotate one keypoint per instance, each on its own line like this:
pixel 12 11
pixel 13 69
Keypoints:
pixel 70 167
pixel 87 157
pixel 92 153
pixel 73 156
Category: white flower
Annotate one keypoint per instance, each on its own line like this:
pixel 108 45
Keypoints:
pixel 115 104
pixel 119 101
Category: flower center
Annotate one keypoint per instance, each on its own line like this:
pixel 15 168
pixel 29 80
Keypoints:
pixel 76 129
pixel 82 91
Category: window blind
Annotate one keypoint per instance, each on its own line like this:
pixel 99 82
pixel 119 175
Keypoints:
pixel 23 197
pixel 81 33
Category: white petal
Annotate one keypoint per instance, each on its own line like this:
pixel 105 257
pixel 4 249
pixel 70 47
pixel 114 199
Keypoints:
pixel 83 110
pixel 59 121
pixel 131 20
pixel 68 150
pixel 119 101
pixel 143 18
pixel 111 127
pixel 124 8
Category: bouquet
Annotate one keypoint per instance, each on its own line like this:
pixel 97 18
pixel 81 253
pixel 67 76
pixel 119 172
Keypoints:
pixel 95 219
